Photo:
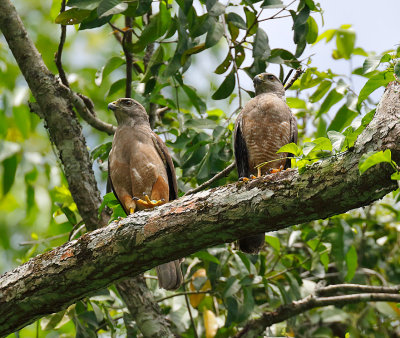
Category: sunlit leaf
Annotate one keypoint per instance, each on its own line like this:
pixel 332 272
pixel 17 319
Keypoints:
pixel 371 63
pixel 84 4
pixel 373 83
pixel 292 148
pixel 274 242
pixel 337 140
pixel 312 32
pixel 372 158
pixel 320 92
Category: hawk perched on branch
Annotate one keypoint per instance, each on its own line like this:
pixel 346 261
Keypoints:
pixel 263 126
pixel 141 172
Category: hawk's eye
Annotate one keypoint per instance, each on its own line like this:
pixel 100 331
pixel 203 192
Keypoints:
pixel 271 77
pixel 128 103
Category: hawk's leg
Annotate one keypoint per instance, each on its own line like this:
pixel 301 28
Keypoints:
pixel 274 171
pixel 159 194
pixel 245 179
pixel 147 203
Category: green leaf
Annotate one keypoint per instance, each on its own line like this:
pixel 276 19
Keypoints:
pixel 198 103
pixel 22 120
pixel 164 19
pixel 101 151
pixel 200 124
pixel 290 148
pixel 332 98
pixel 10 168
pixel 345 41
pixel 50 322
pixel 214 34
pixel 226 88
pixel 328 35
pixel 206 256
pixel 217 9
pixel 342 119
pixel 295 102
pixel 261 47
pixel 274 242
pixel 251 21
pixel 237 20
pixel 372 158
pixel 373 83
pixel 72 16
pixel 223 67
pixel 272 4
pixel 337 140
pixel 352 263
pixel 395 176
pixel 322 89
pixel 110 7
pixel 109 200
pixel 312 32
pixel 93 21
pixel 111 65
pixel 371 63
pixel 84 4
pixel 117 86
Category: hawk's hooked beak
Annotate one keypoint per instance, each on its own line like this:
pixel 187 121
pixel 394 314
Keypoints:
pixel 257 80
pixel 112 106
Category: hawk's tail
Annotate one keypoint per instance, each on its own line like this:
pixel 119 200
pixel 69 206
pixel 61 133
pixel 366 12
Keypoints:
pixel 170 275
pixel 252 244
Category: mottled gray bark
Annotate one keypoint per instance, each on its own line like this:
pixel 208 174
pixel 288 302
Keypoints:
pixel 55 279
pixel 54 106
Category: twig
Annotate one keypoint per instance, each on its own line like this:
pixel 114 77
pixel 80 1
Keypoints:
pixel 190 311
pixel 58 55
pixel 221 174
pixel 183 294
pixel 356 288
pixel 299 71
pixel 287 76
pixel 126 43
pixel 85 108
pixel 75 230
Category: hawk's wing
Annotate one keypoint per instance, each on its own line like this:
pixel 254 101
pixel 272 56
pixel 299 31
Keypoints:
pixel 241 151
pixel 169 165
pixel 109 187
pixel 293 138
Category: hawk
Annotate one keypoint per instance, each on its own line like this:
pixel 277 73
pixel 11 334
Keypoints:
pixel 263 126
pixel 141 173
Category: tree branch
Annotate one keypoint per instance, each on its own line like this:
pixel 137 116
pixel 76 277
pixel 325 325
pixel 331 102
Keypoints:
pixel 58 56
pixel 256 327
pixel 55 279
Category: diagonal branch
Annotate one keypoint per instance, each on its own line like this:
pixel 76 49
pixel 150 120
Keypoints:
pixel 55 279
pixel 256 327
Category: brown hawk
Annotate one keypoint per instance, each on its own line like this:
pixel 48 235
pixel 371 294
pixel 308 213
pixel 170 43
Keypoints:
pixel 263 126
pixel 141 172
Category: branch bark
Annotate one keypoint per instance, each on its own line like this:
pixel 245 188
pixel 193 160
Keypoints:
pixel 55 279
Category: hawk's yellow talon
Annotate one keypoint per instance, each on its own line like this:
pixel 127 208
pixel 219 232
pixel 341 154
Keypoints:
pixel 131 211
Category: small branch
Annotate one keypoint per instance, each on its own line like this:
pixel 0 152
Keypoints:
pixel 85 108
pixel 177 294
pixel 43 240
pixel 190 312
pixel 221 174
pixel 116 32
pixel 58 55
pixel 257 326
pixel 299 71
pixel 287 76
pixel 342 288
pixel 126 43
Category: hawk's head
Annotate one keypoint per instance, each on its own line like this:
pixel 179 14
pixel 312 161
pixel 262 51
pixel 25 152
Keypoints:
pixel 128 110
pixel 268 83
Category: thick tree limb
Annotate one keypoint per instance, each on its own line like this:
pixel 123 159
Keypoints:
pixel 55 279
pixel 255 328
